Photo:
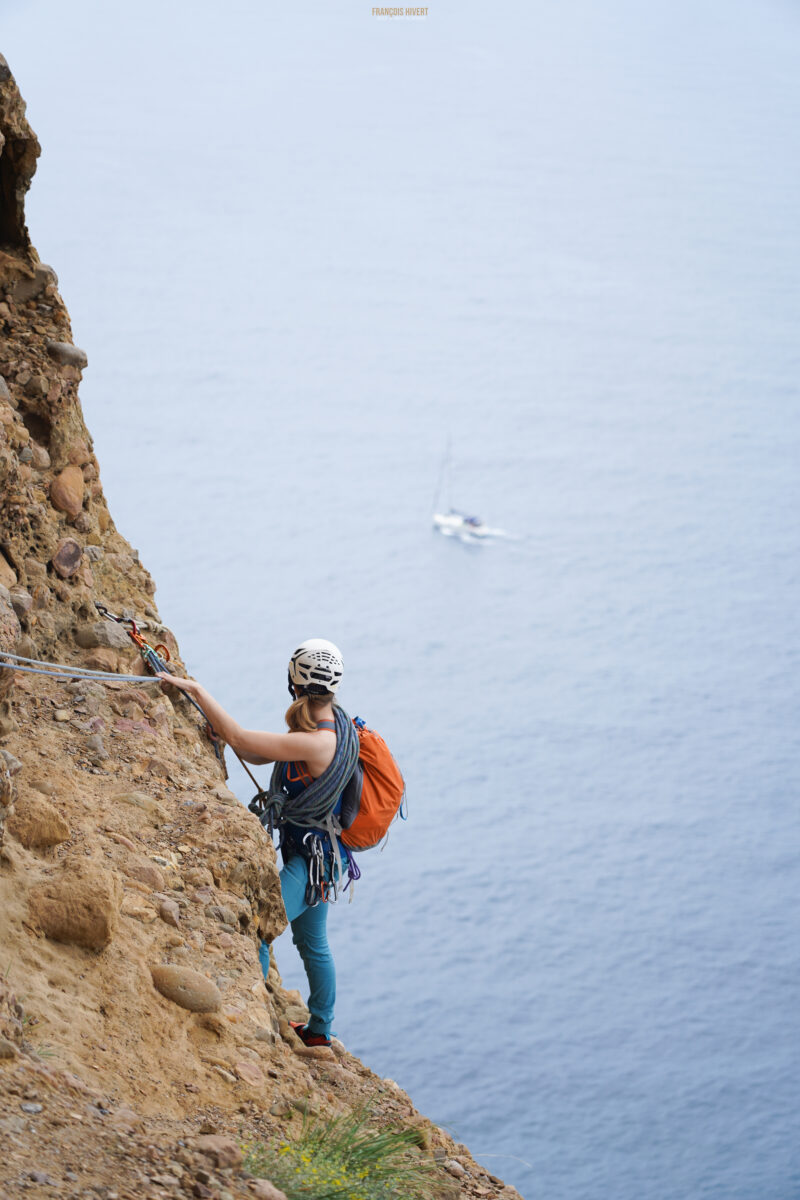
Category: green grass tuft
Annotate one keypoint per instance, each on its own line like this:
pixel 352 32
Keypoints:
pixel 345 1159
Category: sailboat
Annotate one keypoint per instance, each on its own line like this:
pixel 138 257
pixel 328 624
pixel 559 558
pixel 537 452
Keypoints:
pixel 453 522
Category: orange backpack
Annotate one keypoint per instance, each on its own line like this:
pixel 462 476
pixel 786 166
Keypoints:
pixel 374 794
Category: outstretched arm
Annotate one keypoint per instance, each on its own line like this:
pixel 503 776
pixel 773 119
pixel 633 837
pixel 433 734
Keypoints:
pixel 257 746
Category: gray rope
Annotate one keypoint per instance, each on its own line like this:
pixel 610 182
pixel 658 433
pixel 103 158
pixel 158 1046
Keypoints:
pixel 40 662
pixel 67 672
pixel 316 802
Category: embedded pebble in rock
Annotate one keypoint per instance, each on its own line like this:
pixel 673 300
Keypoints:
pixel 249 1073
pixel 30 287
pixel 41 458
pixel 222 1151
pixel 106 634
pixel 221 913
pixel 67 355
pixel 8 576
pixel 21 601
pixel 223 1074
pixel 96 748
pixel 37 824
pixel 33 1109
pixel 7 1049
pixel 62 714
pixel 159 767
pixel 199 877
pixel 262 1189
pixel 225 795
pixel 170 913
pixel 80 454
pixel 5 394
pixel 106 660
pixel 66 491
pixel 455 1168
pixel 45 786
pixel 80 906
pixel 121 840
pixel 147 873
pixel 67 558
pixel 133 906
pixel 125 1120
pixel 140 800
pixel 187 988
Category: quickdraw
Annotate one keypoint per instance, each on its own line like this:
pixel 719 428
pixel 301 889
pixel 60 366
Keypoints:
pixel 156 658
pixel 318 889
pixel 134 633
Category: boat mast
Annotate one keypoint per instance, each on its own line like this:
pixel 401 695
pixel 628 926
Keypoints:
pixel 444 479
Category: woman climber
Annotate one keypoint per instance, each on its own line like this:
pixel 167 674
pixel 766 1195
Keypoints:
pixel 314 762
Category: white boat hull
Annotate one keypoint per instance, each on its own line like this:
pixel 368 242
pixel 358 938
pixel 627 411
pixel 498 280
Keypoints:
pixel 455 525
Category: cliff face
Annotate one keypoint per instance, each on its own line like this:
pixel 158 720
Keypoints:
pixel 136 1032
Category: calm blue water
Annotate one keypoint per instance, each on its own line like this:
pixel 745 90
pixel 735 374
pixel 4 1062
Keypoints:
pixel 302 247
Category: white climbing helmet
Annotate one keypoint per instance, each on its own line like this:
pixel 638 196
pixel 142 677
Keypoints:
pixel 316 666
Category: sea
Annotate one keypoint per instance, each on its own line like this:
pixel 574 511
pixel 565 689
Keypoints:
pixel 306 248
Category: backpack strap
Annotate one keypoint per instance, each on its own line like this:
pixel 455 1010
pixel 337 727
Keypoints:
pixel 316 802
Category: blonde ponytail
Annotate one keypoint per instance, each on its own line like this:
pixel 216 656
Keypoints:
pixel 301 715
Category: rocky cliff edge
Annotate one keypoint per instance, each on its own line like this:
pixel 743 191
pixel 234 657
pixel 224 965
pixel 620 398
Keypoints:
pixel 139 1046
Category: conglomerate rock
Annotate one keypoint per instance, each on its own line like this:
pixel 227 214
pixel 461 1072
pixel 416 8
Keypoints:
pixel 134 888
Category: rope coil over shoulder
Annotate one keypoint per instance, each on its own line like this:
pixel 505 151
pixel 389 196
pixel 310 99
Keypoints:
pixel 313 808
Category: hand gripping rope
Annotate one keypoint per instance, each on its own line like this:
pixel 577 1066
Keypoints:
pixel 158 662
pixel 157 658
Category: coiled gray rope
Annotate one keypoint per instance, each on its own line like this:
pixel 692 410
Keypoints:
pixel 314 805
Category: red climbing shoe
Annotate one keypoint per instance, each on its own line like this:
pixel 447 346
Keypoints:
pixel 307 1037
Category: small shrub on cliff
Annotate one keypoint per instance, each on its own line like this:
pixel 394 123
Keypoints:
pixel 345 1159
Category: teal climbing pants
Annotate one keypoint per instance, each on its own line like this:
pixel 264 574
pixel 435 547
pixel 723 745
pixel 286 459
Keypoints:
pixel 310 936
